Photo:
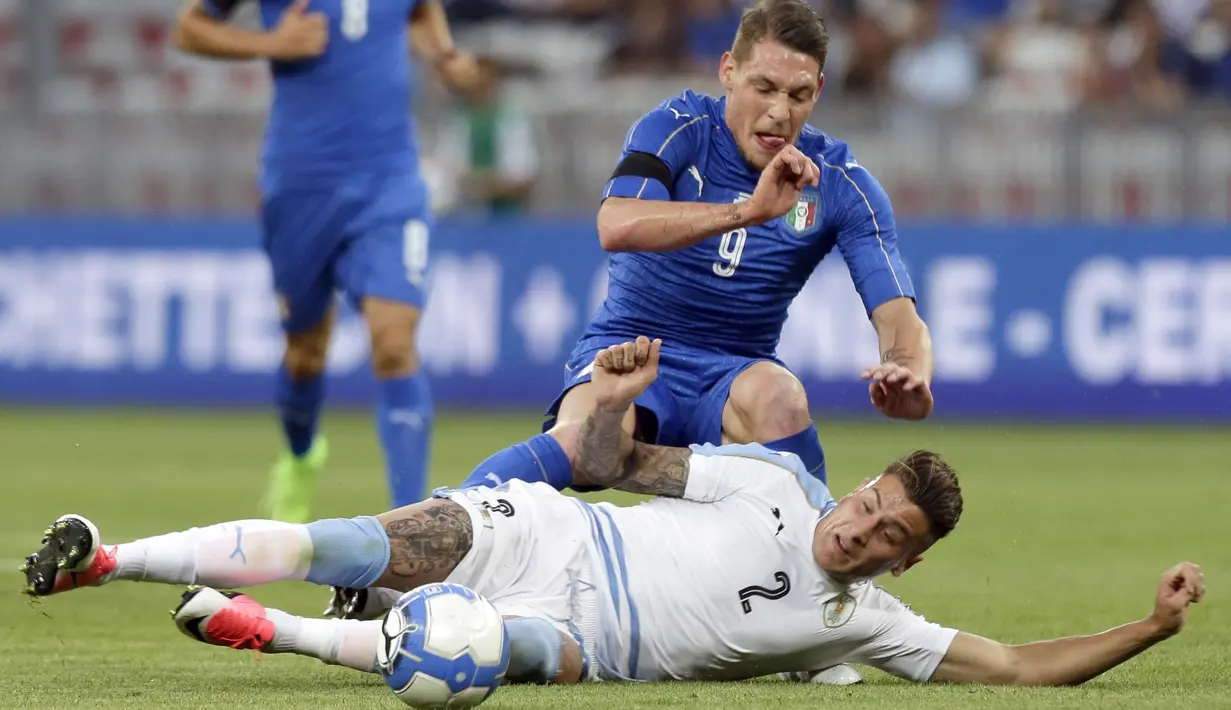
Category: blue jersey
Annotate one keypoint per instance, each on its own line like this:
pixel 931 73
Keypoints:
pixel 346 112
pixel 731 293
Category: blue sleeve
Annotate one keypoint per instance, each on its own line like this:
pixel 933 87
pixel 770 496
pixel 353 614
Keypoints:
pixel 868 240
pixel 667 134
pixel 220 9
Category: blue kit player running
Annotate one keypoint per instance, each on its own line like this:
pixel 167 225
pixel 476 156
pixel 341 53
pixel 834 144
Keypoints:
pixel 717 214
pixel 344 207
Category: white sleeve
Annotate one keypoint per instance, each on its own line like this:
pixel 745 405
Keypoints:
pixel 715 474
pixel 902 643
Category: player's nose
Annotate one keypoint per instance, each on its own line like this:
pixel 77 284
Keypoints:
pixel 777 113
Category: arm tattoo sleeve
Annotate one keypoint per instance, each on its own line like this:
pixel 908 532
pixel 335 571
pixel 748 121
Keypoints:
pixel 429 542
pixel 609 458
pixel 658 471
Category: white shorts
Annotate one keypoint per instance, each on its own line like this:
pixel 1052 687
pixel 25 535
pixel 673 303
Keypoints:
pixel 529 556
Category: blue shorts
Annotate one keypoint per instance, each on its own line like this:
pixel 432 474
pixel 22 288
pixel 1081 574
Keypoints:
pixel 365 236
pixel 687 399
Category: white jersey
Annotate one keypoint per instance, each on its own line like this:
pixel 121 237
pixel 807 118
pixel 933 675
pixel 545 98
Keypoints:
pixel 722 583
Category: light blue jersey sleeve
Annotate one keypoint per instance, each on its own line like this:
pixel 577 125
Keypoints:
pixel 868 239
pixel 709 482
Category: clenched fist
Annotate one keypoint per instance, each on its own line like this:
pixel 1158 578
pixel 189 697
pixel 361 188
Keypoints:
pixel 777 191
pixel 622 372
pixel 1180 587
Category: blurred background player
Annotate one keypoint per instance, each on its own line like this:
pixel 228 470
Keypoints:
pixel 344 207
pixel 717 214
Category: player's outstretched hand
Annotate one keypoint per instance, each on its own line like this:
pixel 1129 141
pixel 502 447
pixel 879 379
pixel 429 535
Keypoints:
pixel 622 372
pixel 1180 587
pixel 899 393
pixel 786 176
pixel 299 34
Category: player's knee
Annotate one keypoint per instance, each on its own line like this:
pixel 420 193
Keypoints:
pixel 769 403
pixel 566 435
pixel 306 356
pixel 541 654
pixel 391 327
pixel 393 350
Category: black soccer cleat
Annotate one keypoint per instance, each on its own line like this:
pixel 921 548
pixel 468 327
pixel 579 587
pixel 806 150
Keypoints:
pixel 68 559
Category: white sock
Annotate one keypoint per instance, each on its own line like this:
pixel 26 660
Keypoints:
pixel 243 553
pixel 339 642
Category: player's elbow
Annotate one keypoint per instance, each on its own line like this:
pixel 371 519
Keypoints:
pixel 615 231
pixel 182 35
pixel 187 31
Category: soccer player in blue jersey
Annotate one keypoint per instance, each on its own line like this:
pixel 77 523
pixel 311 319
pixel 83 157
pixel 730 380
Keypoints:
pixel 344 207
pixel 716 215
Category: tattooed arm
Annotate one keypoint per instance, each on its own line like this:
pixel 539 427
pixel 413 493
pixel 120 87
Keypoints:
pixel 904 337
pixel 609 458
pixel 901 386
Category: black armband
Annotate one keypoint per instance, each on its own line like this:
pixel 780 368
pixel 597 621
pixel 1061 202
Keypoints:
pixel 644 165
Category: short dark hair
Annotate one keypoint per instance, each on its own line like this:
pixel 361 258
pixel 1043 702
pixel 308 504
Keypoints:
pixel 792 23
pixel 930 483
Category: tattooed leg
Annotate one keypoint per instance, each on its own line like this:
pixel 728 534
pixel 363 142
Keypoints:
pixel 426 542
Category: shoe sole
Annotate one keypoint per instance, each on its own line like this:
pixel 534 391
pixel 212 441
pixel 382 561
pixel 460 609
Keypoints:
pixel 69 546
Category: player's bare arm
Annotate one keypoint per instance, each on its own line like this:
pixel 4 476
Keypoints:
pixel 632 224
pixel 606 455
pixel 1077 659
pixel 901 384
pixel 299 34
pixel 432 40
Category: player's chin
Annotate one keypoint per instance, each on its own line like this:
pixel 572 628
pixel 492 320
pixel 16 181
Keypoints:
pixel 756 156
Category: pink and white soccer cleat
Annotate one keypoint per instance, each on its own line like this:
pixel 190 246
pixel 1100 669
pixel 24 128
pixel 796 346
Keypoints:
pixel 226 619
pixel 72 556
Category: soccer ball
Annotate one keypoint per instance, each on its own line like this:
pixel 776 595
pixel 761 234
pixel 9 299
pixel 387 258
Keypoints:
pixel 443 646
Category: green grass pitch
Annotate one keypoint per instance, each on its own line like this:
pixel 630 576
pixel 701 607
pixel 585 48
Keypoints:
pixel 1066 531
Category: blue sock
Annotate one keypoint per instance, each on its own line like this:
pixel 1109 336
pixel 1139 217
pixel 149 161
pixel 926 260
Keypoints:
pixel 535 648
pixel 807 446
pixel 536 460
pixel 404 421
pixel 346 552
pixel 299 407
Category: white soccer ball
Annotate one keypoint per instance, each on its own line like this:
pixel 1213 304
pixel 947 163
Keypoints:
pixel 443 646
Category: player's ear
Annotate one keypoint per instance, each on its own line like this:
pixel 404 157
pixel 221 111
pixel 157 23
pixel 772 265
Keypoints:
pixel 726 70
pixel 907 564
pixel 820 84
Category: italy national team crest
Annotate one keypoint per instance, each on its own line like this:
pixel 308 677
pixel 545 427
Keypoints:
pixel 806 215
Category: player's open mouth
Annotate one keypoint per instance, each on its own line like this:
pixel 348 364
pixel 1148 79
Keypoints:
pixel 841 546
pixel 770 141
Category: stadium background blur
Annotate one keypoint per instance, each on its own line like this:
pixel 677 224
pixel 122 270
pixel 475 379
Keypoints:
pixel 1061 174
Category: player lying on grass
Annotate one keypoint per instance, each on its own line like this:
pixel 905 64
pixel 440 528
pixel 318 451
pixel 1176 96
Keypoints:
pixel 742 566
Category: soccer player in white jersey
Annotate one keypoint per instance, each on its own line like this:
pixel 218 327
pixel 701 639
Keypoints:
pixel 742 565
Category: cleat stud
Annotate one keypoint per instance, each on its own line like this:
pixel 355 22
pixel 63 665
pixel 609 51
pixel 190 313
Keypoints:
pixel 61 563
pixel 25 567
